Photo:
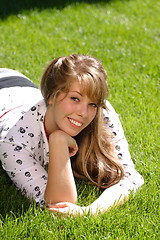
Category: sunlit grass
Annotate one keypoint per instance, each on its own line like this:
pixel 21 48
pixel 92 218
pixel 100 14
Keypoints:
pixel 125 36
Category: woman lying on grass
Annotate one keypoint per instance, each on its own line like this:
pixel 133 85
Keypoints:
pixel 67 130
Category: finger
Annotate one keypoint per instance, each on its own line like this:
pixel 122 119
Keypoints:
pixel 59 210
pixel 62 204
pixel 72 151
pixel 58 205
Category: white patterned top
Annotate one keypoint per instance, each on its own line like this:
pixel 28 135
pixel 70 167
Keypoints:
pixel 24 150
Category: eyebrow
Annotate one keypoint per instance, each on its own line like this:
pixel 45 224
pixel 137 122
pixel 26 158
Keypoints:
pixel 76 92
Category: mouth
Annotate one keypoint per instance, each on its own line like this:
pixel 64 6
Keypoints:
pixel 75 123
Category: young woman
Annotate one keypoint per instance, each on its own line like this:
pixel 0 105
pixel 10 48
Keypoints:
pixel 68 131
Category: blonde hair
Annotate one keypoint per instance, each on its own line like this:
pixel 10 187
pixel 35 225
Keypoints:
pixel 95 160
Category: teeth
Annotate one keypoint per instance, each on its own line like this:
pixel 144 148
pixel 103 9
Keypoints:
pixel 75 123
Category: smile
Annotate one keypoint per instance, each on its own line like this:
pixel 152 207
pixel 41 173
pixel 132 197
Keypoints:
pixel 78 124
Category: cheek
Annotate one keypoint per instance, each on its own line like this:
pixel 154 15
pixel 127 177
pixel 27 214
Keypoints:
pixel 63 110
pixel 92 114
pixel 67 108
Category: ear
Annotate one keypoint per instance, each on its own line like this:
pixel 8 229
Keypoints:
pixel 52 97
pixel 51 100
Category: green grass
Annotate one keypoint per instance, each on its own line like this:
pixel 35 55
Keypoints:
pixel 125 35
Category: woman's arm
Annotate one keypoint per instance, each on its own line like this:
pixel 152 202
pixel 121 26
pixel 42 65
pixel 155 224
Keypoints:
pixel 24 170
pixel 31 178
pixel 113 196
pixel 60 185
pixel 132 180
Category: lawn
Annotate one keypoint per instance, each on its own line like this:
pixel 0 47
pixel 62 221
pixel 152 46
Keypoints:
pixel 125 36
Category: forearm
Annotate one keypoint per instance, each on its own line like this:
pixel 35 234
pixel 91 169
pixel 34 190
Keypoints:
pixel 117 194
pixel 60 185
pixel 109 198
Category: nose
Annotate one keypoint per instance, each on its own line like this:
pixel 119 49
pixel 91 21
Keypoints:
pixel 82 110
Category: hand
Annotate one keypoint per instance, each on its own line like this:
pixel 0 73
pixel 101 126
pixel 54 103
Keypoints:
pixel 72 146
pixel 63 139
pixel 67 208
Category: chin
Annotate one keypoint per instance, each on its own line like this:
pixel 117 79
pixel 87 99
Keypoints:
pixel 71 133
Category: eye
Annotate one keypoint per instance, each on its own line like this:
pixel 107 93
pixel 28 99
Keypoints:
pixel 94 105
pixel 75 99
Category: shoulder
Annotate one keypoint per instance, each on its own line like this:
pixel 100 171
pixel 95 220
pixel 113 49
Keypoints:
pixel 110 112
pixel 110 108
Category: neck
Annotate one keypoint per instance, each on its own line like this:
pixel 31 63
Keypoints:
pixel 49 124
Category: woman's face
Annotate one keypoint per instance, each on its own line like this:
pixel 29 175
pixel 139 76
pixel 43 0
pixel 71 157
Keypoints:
pixel 71 112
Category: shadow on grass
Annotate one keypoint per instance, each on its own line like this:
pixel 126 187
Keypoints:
pixel 11 200
pixel 13 203
pixel 16 6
